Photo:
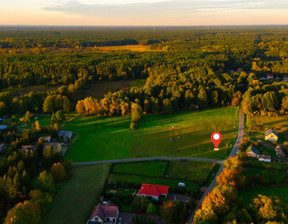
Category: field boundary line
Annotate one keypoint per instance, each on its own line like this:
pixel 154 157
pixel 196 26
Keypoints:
pixel 148 159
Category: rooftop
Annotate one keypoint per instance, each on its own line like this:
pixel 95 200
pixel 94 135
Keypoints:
pixel 153 190
pixel 270 131
pixel 103 211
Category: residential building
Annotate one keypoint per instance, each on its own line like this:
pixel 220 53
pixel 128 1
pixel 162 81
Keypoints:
pixel 285 78
pixel 28 147
pixel 280 152
pixel 270 76
pixel 153 191
pixel 104 214
pixel 251 151
pixel 264 158
pixel 271 135
pixel 65 135
pixel 2 148
pixel 45 138
pixel 3 127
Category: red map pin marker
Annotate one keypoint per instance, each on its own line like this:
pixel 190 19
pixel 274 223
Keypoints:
pixel 216 138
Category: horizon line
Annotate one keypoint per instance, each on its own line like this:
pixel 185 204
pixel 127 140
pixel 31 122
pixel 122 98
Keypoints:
pixel 231 25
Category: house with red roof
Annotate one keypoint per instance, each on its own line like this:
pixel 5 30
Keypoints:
pixel 153 191
pixel 104 214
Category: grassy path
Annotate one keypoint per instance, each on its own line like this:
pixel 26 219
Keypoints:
pixel 78 195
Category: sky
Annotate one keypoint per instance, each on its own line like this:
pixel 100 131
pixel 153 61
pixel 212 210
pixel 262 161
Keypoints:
pixel 143 12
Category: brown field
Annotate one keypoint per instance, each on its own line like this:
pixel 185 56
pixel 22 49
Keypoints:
pixel 24 90
pixel 98 89
pixel 119 48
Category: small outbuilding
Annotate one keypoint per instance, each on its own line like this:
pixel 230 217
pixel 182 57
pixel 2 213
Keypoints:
pixel 271 135
pixel 252 152
pixel 265 158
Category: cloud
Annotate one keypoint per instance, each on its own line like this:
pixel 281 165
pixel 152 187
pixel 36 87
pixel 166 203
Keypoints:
pixel 173 7
pixel 171 11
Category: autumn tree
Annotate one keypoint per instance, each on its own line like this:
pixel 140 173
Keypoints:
pixel 136 112
pixel 270 209
pixel 22 213
pixel 233 163
pixel 28 117
pixel 3 108
pixel 37 126
pixel 202 99
pixel 231 177
pixel 45 183
pixel 59 116
pixel 58 172
pixel 167 106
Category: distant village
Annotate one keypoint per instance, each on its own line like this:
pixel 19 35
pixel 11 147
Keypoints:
pixel 59 143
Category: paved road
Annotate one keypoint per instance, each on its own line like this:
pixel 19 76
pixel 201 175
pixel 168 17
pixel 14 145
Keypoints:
pixel 232 154
pixel 148 159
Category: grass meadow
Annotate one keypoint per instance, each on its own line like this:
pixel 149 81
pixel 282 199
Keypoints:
pixel 190 171
pixel 77 197
pixel 152 169
pixel 193 173
pixel 281 192
pixel 104 138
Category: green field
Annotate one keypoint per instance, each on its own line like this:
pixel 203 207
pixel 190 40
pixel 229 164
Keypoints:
pixel 170 173
pixel 153 169
pixel 190 170
pixel 77 197
pixel 102 138
pixel 127 178
pixel 280 192
pixel 270 176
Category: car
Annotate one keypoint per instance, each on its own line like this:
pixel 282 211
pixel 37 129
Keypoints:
pixel 181 184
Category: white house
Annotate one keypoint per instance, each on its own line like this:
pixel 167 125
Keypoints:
pixel 104 214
